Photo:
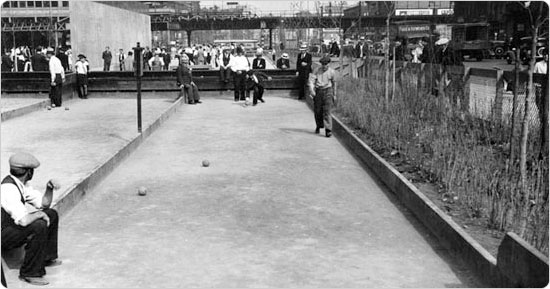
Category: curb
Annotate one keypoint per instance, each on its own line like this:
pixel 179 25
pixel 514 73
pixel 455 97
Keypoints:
pixel 10 114
pixel 75 193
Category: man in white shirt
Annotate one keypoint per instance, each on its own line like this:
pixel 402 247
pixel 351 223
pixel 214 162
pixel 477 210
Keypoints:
pixel 81 68
pixel 36 228
pixel 57 73
pixel 239 65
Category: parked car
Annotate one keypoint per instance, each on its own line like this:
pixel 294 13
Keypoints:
pixel 525 50
pixel 498 49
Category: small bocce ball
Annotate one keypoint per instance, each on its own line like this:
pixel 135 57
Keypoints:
pixel 49 107
pixel 66 108
pixel 142 191
pixel 205 163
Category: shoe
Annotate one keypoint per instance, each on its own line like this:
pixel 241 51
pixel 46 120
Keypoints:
pixel 317 130
pixel 198 101
pixel 328 133
pixel 40 281
pixel 263 101
pixel 53 263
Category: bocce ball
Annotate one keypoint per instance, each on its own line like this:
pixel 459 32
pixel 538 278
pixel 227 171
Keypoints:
pixel 66 108
pixel 205 163
pixel 142 191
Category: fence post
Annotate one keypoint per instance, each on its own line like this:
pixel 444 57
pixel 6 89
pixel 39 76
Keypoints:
pixel 497 109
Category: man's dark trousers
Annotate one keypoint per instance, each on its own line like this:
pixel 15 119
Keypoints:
pixel 258 93
pixel 303 78
pixel 41 247
pixel 239 85
pixel 322 108
pixel 56 92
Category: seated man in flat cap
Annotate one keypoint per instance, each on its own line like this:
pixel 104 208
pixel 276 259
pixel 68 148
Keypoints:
pixel 36 228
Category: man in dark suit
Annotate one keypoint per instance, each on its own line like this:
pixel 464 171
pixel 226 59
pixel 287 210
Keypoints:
pixel 39 61
pixel 259 61
pixel 255 82
pixel 303 66
pixel 107 57
pixel 361 49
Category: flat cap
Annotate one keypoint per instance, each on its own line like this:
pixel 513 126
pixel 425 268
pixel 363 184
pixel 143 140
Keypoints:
pixel 23 160
pixel 324 60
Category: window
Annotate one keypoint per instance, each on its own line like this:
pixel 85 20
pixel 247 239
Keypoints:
pixel 55 4
pixel 14 4
pixel 38 3
pixel 65 3
pixel 22 4
pixel 30 3
pixel 6 4
pixel 46 3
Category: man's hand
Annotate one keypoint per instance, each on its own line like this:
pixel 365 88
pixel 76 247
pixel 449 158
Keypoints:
pixel 63 80
pixel 44 217
pixel 239 72
pixel 53 83
pixel 269 78
pixel 53 184
pixel 304 63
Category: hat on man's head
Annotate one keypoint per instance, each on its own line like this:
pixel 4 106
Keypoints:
pixel 285 55
pixel 324 60
pixel 50 51
pixel 362 38
pixel 24 161
pixel 239 50
pixel 303 47
pixel 442 41
pixel 81 56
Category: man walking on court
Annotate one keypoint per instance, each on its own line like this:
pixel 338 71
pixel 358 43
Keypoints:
pixel 322 85
pixel 36 228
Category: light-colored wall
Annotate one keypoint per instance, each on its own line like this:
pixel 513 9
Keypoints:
pixel 94 26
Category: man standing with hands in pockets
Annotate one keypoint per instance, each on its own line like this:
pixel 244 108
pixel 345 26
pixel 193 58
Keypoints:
pixel 57 73
pixel 322 84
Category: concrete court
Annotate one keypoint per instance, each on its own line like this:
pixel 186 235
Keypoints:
pixel 279 206
pixel 71 143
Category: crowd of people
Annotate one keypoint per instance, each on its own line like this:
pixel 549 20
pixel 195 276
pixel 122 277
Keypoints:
pixel 25 59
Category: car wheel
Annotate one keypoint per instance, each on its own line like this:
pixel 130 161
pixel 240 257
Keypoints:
pixel 499 51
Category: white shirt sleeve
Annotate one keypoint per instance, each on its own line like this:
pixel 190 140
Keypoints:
pixel 52 70
pixel 10 199
pixel 33 196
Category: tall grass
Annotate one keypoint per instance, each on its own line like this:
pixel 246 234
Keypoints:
pixel 467 156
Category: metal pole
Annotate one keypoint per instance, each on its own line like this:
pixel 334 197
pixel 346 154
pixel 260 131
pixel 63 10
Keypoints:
pixel 393 71
pixel 138 56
